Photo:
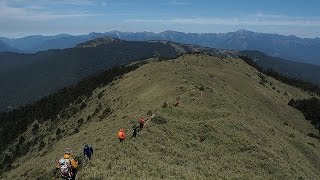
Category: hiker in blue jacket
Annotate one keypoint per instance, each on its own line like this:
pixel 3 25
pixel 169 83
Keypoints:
pixel 87 151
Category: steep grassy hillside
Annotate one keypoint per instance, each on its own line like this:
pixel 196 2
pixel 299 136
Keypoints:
pixel 239 129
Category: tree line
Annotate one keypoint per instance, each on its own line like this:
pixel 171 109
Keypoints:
pixel 310 108
pixel 16 122
pixel 303 85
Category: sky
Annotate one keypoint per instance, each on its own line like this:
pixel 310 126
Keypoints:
pixel 49 17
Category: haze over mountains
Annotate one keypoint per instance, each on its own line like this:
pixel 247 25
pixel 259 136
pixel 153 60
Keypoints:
pixel 6 48
pixel 304 50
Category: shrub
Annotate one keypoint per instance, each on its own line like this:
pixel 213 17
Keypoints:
pixel 262 82
pixel 100 95
pixel 159 119
pixel 35 128
pixel 263 79
pixel 312 144
pixel 313 135
pixel 58 131
pixel 76 130
pixel 201 88
pixel 83 105
pixel 80 122
pixel 98 109
pixel 106 113
pixel 203 131
pixel 41 145
pixel 22 140
pixel 165 105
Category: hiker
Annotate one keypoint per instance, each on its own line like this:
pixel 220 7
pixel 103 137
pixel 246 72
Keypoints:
pixel 141 122
pixel 135 130
pixel 68 165
pixel 121 135
pixel 177 103
pixel 87 151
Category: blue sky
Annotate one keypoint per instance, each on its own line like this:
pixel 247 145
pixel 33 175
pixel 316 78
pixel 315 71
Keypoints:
pixel 47 17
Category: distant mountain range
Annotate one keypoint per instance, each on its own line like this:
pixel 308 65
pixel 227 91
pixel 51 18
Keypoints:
pixel 6 48
pixel 293 48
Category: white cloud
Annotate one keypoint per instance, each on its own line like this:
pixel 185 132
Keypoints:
pixel 59 2
pixel 178 3
pixel 256 20
pixel 35 13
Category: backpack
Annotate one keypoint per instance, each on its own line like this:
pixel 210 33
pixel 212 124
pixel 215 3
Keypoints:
pixel 65 169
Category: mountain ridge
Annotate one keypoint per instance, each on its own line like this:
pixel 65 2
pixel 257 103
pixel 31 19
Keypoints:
pixel 236 128
pixel 7 48
pixel 289 47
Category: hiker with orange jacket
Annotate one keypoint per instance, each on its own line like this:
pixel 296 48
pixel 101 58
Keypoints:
pixel 121 135
pixel 67 165
pixel 141 122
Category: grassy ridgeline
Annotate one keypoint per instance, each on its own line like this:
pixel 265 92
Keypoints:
pixel 240 128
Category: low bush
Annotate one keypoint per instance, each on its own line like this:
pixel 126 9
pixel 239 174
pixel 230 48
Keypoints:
pixel 159 119
pixel 165 105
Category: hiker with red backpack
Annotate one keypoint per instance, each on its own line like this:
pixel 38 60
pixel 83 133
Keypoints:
pixel 142 122
pixel 68 166
pixel 121 135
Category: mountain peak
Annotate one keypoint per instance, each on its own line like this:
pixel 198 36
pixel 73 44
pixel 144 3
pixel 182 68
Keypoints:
pixel 243 31
pixel 99 42
pixel 170 32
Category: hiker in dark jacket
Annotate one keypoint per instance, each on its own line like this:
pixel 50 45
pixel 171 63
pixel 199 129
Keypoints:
pixel 88 151
pixel 135 130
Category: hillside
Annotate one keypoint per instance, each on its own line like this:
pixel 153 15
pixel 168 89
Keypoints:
pixel 6 48
pixel 303 71
pixel 37 75
pixel 238 129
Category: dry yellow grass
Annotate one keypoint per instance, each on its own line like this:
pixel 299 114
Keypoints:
pixel 235 131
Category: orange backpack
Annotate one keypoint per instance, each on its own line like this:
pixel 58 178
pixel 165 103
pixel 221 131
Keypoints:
pixel 121 134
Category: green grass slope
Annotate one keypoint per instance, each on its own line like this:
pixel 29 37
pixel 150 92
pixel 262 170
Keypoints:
pixel 238 129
